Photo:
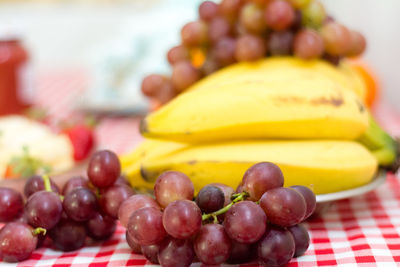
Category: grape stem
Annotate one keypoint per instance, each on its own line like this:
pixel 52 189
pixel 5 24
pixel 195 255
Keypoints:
pixel 235 198
pixel 46 181
pixel 39 230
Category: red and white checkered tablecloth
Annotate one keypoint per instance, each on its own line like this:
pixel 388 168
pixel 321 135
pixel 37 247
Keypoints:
pixel 361 231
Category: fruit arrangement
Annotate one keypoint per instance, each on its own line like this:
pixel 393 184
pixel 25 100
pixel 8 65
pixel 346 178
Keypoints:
pixel 84 208
pixel 259 222
pixel 248 30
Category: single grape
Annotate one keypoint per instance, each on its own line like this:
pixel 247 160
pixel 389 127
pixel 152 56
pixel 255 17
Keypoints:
pixel 184 74
pixel 11 204
pixel 212 245
pixel 43 209
pixel 309 197
pixel 146 226
pixel 308 44
pixel 151 253
pixel 35 184
pixel 132 204
pixel 358 44
pixel 283 206
pixel 337 38
pixel 104 168
pixel 171 186
pixel 245 222
pixel 80 204
pixel 239 188
pixel 113 197
pixel 101 226
pixel 175 253
pixel 167 92
pixel 301 239
pixel 314 14
pixel 224 51
pixel 17 242
pixel 279 15
pixel 218 28
pixel 68 235
pixel 227 190
pixel 176 54
pixel 280 43
pixel 153 84
pixel 210 198
pixel 276 248
pixel 250 48
pixel 252 18
pixel 135 246
pixel 75 182
pixel 208 10
pixel 194 33
pixel 182 219
pixel 299 3
pixel 241 253
pixel 230 8
pixel 260 178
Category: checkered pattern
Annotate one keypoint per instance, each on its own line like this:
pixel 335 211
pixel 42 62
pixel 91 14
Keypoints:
pixel 363 230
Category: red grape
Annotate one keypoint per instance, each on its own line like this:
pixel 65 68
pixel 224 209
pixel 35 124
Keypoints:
pixel 358 44
pixel 210 65
pixel 113 197
pixel 151 253
pixel 245 222
pixel 184 74
pixel 17 242
pixel 210 199
pixel 171 186
pixel 101 226
pixel 75 182
pixel 194 33
pixel 227 190
pixel 166 93
pixel 132 204
pixel 337 38
pixel 314 14
pixel 230 8
pixel 182 219
pixel 252 18
pixel 212 245
pixel 35 184
pixel 208 10
pixel 80 204
pixel 260 178
pixel 283 206
pixel 240 253
pixel 146 226
pixel 276 248
pixel 250 47
pixel 309 197
pixel 11 204
pixel 218 28
pixel 176 54
pixel 68 235
pixel 280 43
pixel 224 51
pixel 104 168
pixel 279 15
pixel 308 44
pixel 301 239
pixel 136 248
pixel 153 84
pixel 175 253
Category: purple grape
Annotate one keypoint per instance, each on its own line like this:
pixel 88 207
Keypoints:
pixel 228 192
pixel 182 219
pixel 43 209
pixel 280 43
pixel 151 253
pixel 75 182
pixel 301 239
pixel 276 248
pixel 35 184
pixel 240 253
pixel 212 245
pixel 80 204
pixel 17 242
pixel 210 198
pixel 132 204
pixel 136 248
pixel 11 204
pixel 283 206
pixel 224 51
pixel 245 222
pixel 309 197
pixel 146 227
pixel 175 253
pixel 101 226
pixel 104 168
pixel 113 197
pixel 68 235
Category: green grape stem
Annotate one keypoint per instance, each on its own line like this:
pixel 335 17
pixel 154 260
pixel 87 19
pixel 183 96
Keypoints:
pixel 39 230
pixel 235 198
pixel 47 184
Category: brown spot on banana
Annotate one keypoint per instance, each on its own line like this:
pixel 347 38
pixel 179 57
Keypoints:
pixel 334 101
pixel 143 126
pixel 147 175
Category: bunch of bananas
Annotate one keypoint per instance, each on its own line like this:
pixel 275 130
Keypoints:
pixel 308 117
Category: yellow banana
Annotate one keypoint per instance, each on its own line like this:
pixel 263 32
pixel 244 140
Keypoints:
pixel 327 166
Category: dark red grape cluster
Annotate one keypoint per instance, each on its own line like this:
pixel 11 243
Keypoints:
pixel 248 30
pixel 85 208
pixel 260 221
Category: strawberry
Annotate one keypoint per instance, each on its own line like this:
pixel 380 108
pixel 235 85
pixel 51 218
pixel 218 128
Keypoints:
pixel 82 140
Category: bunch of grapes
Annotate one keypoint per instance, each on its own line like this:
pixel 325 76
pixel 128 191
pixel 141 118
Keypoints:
pixel 260 221
pixel 247 30
pixel 85 208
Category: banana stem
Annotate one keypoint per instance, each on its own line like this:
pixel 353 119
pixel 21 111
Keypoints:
pixel 236 198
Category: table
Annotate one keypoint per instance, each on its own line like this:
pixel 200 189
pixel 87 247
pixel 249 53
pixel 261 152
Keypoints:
pixel 363 230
